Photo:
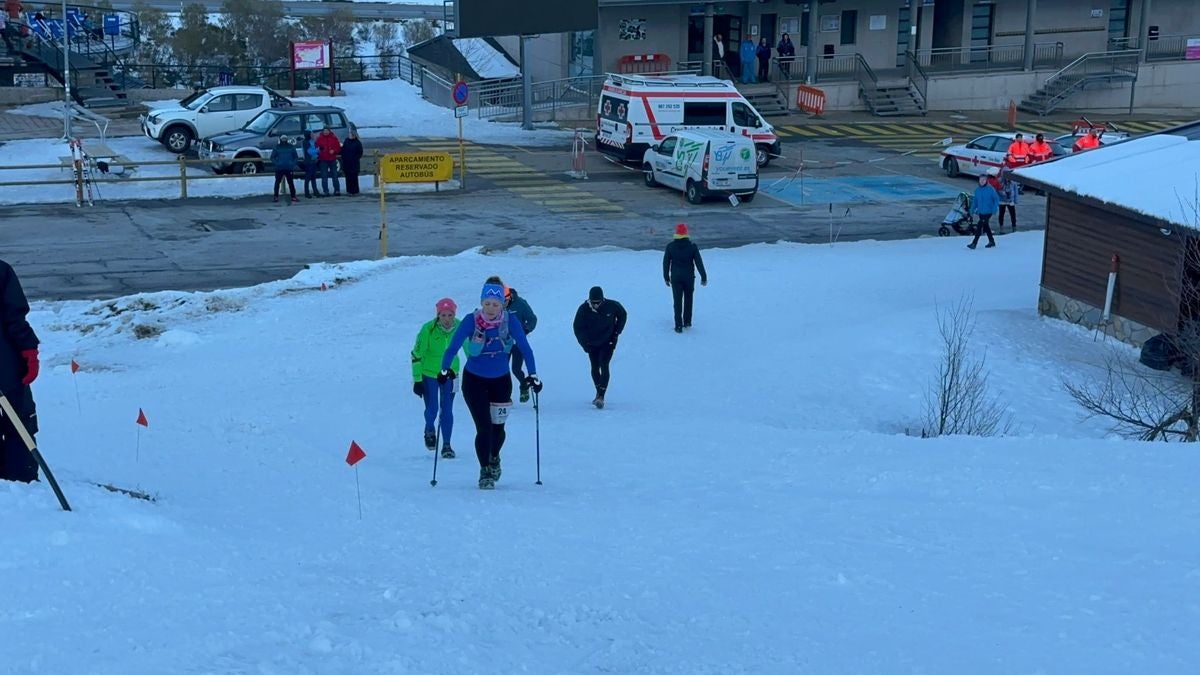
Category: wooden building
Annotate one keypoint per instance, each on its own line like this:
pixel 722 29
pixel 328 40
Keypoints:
pixel 1132 207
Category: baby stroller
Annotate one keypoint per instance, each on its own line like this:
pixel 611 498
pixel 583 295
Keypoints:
pixel 959 218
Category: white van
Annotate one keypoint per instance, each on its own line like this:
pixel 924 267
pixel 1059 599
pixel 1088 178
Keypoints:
pixel 703 162
pixel 637 111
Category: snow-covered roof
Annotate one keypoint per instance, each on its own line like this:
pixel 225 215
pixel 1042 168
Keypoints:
pixel 485 59
pixel 1156 175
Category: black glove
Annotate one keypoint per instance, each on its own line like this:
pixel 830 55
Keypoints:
pixel 534 383
pixel 419 389
pixel 445 375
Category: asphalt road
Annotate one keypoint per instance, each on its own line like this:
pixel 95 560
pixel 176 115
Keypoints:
pixel 361 10
pixel 117 248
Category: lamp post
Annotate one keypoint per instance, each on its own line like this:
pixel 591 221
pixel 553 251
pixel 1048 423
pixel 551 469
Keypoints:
pixel 66 73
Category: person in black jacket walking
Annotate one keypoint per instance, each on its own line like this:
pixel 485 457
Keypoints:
pixel 352 152
pixel 681 260
pixel 18 370
pixel 517 305
pixel 598 324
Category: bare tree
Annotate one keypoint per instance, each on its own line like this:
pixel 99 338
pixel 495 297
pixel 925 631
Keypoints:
pixel 418 30
pixel 957 401
pixel 1151 405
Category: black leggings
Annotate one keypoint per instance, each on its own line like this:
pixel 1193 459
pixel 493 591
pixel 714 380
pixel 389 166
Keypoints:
pixel 480 393
pixel 1012 210
pixel 600 358
pixel 681 294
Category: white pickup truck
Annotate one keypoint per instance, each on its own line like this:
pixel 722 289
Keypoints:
pixel 207 112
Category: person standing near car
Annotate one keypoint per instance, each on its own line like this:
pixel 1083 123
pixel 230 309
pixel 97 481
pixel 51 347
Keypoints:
pixel 19 367
pixel 681 260
pixel 598 324
pixel 1087 142
pixel 308 155
pixel 328 149
pixel 352 152
pixel 1018 152
pixel 283 158
pixel 1009 193
pixel 1039 149
pixel 984 204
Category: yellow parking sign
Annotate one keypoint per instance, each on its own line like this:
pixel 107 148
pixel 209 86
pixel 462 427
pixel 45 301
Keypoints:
pixel 416 167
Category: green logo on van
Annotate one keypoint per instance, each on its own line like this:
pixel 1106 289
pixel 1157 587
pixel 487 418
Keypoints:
pixel 745 153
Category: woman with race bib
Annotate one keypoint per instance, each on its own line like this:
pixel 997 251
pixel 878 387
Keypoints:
pixel 489 334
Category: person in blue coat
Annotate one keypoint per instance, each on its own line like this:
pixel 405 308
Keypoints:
pixel 747 54
pixel 985 204
pixel 489 334
pixel 764 60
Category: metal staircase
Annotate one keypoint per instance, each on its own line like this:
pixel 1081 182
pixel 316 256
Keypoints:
pixel 766 98
pixel 892 98
pixel 1089 70
pixel 92 83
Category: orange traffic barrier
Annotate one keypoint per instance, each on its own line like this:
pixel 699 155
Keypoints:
pixel 810 99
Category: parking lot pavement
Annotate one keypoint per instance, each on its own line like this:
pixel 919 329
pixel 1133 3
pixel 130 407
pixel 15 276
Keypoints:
pixel 518 197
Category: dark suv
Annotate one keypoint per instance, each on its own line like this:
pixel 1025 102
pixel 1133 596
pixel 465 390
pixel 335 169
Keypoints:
pixel 261 135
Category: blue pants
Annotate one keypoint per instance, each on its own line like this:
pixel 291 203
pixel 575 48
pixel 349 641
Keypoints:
pixel 748 72
pixel 329 170
pixel 439 397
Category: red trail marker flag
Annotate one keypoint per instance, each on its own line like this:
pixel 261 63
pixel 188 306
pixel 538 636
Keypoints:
pixel 353 457
pixel 142 419
pixel 74 366
pixel 141 422
pixel 75 380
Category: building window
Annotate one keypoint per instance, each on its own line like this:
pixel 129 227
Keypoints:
pixel 849 26
pixel 981 30
pixel 1118 23
pixel 582 51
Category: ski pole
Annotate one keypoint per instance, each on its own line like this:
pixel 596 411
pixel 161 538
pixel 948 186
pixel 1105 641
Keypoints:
pixel 537 430
pixel 436 439
pixel 24 433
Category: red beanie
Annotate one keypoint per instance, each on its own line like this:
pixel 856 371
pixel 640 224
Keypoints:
pixel 446 305
pixel 681 230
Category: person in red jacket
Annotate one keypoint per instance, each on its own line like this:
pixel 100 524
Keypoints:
pixel 18 370
pixel 1088 142
pixel 328 149
pixel 1040 150
pixel 1018 152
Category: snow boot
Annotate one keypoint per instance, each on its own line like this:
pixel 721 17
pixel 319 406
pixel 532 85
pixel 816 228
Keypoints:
pixel 493 468
pixel 447 452
pixel 599 400
pixel 430 441
pixel 486 482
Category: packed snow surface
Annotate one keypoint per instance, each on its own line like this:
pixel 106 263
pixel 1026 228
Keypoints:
pixel 748 502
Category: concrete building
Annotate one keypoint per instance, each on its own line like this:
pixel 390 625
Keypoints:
pixel 855 47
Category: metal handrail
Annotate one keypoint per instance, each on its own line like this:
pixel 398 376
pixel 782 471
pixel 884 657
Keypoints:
pixel 987 56
pixel 1072 79
pixel 918 76
pixel 1162 48
pixel 863 72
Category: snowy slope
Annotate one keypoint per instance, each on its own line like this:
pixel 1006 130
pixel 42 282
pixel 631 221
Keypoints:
pixel 745 504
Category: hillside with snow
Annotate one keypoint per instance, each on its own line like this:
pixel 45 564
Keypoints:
pixel 748 502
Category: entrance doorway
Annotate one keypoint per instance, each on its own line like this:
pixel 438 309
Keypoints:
pixel 728 26
pixel 982 17
pixel 767 25
pixel 904 33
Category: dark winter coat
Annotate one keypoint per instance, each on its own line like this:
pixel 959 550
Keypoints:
pixel 786 48
pixel 518 306
pixel 352 152
pixel 681 260
pixel 283 157
pixel 600 326
pixel 763 52
pixel 16 336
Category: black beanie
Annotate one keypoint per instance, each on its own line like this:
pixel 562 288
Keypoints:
pixel 596 294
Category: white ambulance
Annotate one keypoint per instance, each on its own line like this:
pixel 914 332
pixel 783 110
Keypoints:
pixel 637 111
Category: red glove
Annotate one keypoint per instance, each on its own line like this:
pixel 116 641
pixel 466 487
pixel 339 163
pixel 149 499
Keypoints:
pixel 31 366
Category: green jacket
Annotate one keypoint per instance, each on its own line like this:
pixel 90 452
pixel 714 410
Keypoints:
pixel 427 353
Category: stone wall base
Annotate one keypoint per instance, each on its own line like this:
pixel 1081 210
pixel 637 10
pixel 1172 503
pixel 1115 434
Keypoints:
pixel 1059 306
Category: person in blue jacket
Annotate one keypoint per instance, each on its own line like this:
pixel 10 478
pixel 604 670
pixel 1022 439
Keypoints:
pixel 308 157
pixel 985 204
pixel 489 334
pixel 747 53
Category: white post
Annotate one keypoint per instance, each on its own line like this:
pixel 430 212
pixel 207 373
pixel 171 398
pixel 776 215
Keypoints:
pixel 66 73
